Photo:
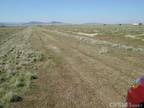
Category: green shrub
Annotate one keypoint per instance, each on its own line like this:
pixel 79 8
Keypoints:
pixel 16 98
pixel 20 83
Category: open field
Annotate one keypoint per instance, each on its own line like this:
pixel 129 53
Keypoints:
pixel 77 66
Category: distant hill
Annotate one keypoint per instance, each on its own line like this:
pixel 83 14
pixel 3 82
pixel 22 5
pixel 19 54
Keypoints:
pixel 10 24
pixel 44 23
pixel 32 23
pixel 56 22
pixel 2 25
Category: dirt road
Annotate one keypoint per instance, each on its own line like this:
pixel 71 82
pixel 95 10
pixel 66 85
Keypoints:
pixel 78 73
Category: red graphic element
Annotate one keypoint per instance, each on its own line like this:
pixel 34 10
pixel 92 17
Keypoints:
pixel 135 97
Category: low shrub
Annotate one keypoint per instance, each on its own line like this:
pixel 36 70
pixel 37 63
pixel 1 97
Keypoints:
pixel 16 98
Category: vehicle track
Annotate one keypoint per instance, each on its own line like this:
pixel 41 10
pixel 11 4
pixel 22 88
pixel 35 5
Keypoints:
pixel 71 77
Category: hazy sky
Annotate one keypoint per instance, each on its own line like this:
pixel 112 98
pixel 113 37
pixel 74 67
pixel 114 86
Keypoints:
pixel 75 11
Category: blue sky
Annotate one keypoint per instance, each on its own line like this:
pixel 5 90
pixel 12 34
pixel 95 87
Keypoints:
pixel 73 11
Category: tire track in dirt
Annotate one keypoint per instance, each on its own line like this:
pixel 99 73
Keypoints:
pixel 84 70
pixel 128 67
pixel 71 77
pixel 64 87
pixel 126 71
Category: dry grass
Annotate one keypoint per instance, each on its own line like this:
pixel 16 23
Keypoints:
pixel 79 71
pixel 17 68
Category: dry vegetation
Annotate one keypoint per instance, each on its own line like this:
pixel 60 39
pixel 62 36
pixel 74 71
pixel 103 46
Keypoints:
pixel 76 66
pixel 17 65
